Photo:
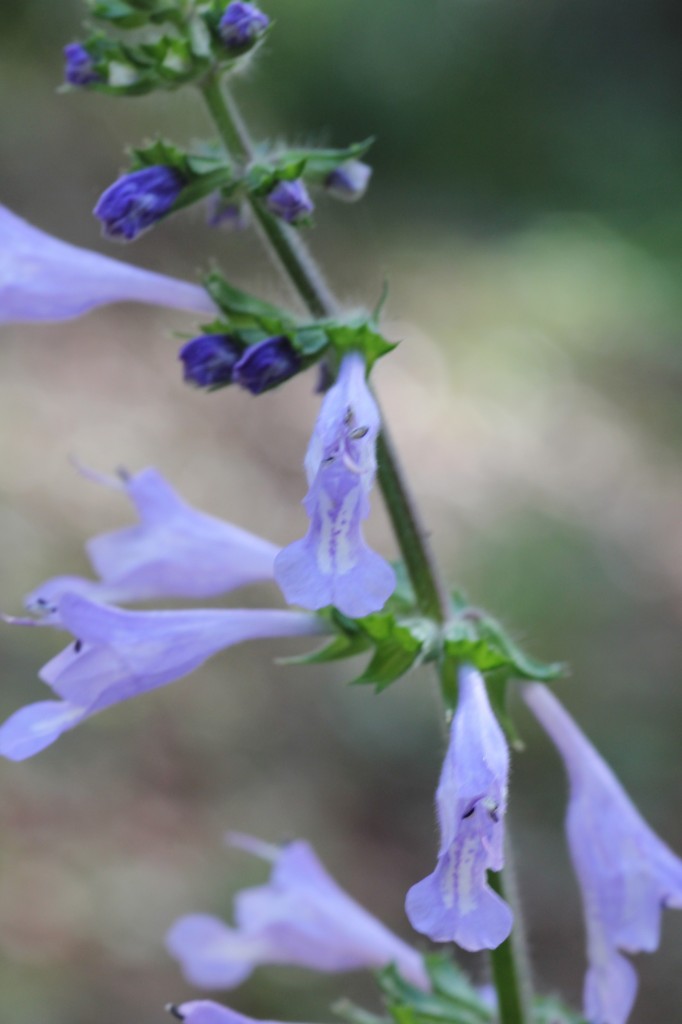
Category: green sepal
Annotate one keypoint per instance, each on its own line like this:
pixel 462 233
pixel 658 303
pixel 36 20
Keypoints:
pixel 203 172
pixel 130 14
pixel 137 69
pixel 317 164
pixel 497 684
pixel 473 636
pixel 245 310
pixel 453 999
pixel 360 335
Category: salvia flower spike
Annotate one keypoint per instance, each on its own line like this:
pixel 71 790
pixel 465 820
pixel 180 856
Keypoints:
pixel 44 278
pixel 300 917
pixel 332 564
pixel 455 902
pixel 626 873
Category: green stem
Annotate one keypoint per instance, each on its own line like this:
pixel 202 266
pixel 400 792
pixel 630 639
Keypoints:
pixel 303 273
pixel 511 974
pixel 310 286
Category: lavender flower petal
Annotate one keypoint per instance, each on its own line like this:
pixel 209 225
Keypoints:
pixel 626 873
pixel 43 278
pixel 120 654
pixel 203 1011
pixel 300 917
pixel 349 181
pixel 175 551
pixel 332 563
pixel 455 903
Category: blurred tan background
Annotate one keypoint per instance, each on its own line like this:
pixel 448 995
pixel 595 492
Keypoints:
pixel 526 210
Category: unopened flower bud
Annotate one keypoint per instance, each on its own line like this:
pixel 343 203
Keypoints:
pixel 348 181
pixel 290 201
pixel 226 213
pixel 242 25
pixel 209 360
pixel 137 200
pixel 266 364
pixel 79 68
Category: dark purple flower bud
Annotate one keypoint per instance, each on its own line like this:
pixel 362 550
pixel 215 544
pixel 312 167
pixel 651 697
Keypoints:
pixel 79 68
pixel 266 364
pixel 242 25
pixel 348 181
pixel 209 360
pixel 136 201
pixel 290 201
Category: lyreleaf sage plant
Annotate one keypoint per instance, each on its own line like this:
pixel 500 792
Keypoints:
pixel 400 616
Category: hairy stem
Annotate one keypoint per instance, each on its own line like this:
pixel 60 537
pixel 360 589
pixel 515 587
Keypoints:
pixel 294 258
pixel 511 982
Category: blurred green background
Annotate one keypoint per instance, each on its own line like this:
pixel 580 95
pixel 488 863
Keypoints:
pixel 526 209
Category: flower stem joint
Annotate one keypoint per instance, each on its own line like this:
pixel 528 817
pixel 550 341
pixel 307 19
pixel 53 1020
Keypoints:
pixel 138 200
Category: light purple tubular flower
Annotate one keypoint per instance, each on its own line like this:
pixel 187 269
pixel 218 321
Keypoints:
pixel 174 551
pixel 136 201
pixel 455 902
pixel 204 1011
pixel 301 917
pixel 43 278
pixel 332 564
pixel 121 654
pixel 348 182
pixel 626 873
pixel 290 201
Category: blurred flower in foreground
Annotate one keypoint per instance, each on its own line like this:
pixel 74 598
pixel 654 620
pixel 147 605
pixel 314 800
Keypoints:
pixel 174 551
pixel 300 917
pixel 332 564
pixel 204 1011
pixel 626 873
pixel 122 654
pixel 455 902
pixel 43 278
pixel 137 200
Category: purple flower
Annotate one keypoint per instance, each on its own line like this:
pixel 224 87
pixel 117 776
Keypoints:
pixel 174 551
pixel 43 278
pixel 626 873
pixel 210 359
pixel 242 25
pixel 348 181
pixel 301 917
pixel 266 364
pixel 121 654
pixel 79 68
pixel 290 201
pixel 136 201
pixel 455 903
pixel 332 563
pixel 203 1011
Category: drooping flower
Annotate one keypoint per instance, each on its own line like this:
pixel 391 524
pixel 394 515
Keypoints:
pixel 121 654
pixel 43 278
pixel 348 181
pixel 332 564
pixel 175 551
pixel 455 902
pixel 266 364
pixel 290 201
pixel 79 68
pixel 300 917
pixel 210 359
pixel 626 873
pixel 137 200
pixel 242 25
